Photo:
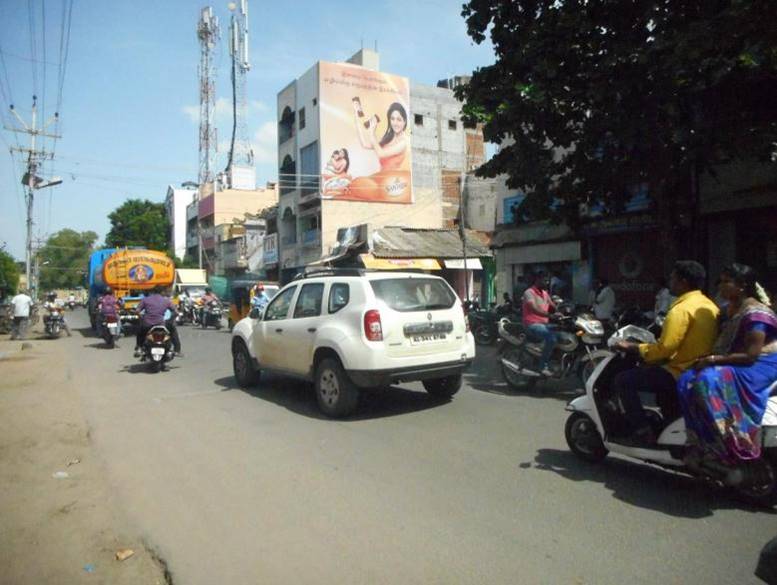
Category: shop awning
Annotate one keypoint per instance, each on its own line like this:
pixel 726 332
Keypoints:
pixel 458 264
pixel 370 261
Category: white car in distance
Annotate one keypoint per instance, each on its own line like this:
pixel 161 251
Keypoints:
pixel 349 329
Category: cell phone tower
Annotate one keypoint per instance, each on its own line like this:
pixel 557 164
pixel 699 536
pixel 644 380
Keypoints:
pixel 240 170
pixel 208 34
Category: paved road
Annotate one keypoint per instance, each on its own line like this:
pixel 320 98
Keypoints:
pixel 256 487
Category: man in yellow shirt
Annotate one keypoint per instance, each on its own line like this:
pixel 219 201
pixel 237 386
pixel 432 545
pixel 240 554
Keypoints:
pixel 690 329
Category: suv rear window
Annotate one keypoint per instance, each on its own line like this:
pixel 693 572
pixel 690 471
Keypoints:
pixel 414 294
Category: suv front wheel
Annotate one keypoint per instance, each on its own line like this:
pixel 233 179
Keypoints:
pixel 337 395
pixel 443 387
pixel 242 365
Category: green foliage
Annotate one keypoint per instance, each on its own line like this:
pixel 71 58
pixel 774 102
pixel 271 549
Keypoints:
pixel 9 274
pixel 63 259
pixel 188 261
pixel 599 95
pixel 139 223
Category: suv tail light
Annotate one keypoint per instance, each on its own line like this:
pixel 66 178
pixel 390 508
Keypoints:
pixel 372 326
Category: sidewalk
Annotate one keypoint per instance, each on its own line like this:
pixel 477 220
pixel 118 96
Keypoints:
pixel 60 522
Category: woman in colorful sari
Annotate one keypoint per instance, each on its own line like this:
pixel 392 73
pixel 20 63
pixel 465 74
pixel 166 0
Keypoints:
pixel 724 395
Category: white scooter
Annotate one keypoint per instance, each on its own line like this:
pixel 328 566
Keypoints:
pixel 597 423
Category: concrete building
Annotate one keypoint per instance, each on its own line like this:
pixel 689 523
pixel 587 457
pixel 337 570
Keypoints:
pixel 441 148
pixel 211 216
pixel 176 202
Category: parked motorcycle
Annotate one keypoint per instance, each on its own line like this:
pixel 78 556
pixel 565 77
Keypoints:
pixel 578 349
pixel 211 315
pixel 111 330
pixel 53 323
pixel 157 348
pixel 644 319
pixel 597 424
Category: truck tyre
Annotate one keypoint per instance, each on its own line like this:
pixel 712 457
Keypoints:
pixel 443 387
pixel 336 394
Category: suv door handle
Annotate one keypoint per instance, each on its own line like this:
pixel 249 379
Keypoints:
pixel 311 329
pixel 279 330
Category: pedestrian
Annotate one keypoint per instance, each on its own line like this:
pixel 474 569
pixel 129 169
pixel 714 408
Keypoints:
pixel 603 300
pixel 259 298
pixel 22 305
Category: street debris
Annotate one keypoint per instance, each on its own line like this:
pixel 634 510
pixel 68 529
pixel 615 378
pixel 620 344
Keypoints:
pixel 75 461
pixel 60 475
pixel 124 553
pixel 89 568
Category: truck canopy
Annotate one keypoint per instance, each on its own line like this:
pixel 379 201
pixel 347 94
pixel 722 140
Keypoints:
pixel 190 277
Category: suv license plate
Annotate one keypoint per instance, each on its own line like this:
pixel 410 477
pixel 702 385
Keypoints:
pixel 430 338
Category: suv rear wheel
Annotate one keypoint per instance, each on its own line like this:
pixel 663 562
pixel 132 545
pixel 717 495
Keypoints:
pixel 443 387
pixel 337 395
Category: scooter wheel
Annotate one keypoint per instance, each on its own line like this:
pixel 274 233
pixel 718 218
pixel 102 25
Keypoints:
pixel 760 488
pixel 484 335
pixel 583 438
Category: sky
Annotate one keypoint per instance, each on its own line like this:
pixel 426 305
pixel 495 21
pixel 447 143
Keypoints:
pixel 130 104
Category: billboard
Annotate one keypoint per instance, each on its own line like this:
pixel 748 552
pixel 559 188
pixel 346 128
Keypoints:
pixel 365 135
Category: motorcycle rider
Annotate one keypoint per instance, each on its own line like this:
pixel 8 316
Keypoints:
pixel 204 300
pixel 108 305
pixel 537 308
pixel 260 298
pixel 152 308
pixel 603 300
pixel 689 332
pixel 170 324
pixel 51 305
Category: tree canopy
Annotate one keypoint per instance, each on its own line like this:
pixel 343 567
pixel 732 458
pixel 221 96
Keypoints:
pixel 139 223
pixel 63 259
pixel 9 274
pixel 591 97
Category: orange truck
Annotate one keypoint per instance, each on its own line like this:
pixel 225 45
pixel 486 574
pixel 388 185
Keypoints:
pixel 133 272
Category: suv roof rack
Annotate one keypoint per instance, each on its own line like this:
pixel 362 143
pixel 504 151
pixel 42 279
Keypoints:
pixel 331 272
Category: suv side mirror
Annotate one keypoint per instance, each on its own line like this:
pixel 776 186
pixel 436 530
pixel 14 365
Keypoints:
pixel 256 313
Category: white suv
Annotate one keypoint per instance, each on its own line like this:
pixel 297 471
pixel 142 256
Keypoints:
pixel 350 329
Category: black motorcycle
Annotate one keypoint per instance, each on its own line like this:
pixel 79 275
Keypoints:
pixel 111 330
pixel 53 323
pixel 484 323
pixel 211 315
pixel 157 348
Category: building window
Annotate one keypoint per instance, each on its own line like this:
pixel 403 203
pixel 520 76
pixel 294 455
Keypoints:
pixel 315 101
pixel 309 168
pixel 301 118
pixel 286 125
pixel 419 120
pixel 451 123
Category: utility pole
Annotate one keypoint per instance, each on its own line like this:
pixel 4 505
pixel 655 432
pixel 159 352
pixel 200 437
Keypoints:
pixel 30 179
pixel 463 212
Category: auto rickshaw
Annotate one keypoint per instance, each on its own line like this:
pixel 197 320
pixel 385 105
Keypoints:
pixel 241 293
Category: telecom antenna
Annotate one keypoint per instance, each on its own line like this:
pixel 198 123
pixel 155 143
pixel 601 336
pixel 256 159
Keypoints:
pixel 240 170
pixel 208 34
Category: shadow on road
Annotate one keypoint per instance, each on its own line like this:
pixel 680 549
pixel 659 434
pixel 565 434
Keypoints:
pixel 101 345
pixel 144 368
pixel 84 331
pixel 485 375
pixel 642 485
pixel 298 397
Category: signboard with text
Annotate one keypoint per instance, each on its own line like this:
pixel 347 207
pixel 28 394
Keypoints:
pixel 271 249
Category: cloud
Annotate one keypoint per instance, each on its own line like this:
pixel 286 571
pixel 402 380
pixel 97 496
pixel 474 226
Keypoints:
pixel 265 143
pixel 193 112
pixel 222 111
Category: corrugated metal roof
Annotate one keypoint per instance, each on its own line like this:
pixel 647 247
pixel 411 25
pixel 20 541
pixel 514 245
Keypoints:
pixel 398 242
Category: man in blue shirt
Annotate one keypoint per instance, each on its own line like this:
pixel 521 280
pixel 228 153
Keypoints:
pixel 260 298
pixel 152 308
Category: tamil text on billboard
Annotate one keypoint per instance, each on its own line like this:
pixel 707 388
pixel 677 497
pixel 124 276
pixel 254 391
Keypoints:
pixel 365 135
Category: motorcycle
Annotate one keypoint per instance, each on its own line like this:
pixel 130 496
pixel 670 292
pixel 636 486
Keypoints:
pixel 71 305
pixel 597 424
pixel 111 330
pixel 53 323
pixel 644 319
pixel 211 315
pixel 187 314
pixel 157 348
pixel 577 351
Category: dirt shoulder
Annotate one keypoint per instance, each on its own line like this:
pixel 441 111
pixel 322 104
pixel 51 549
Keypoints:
pixel 57 528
